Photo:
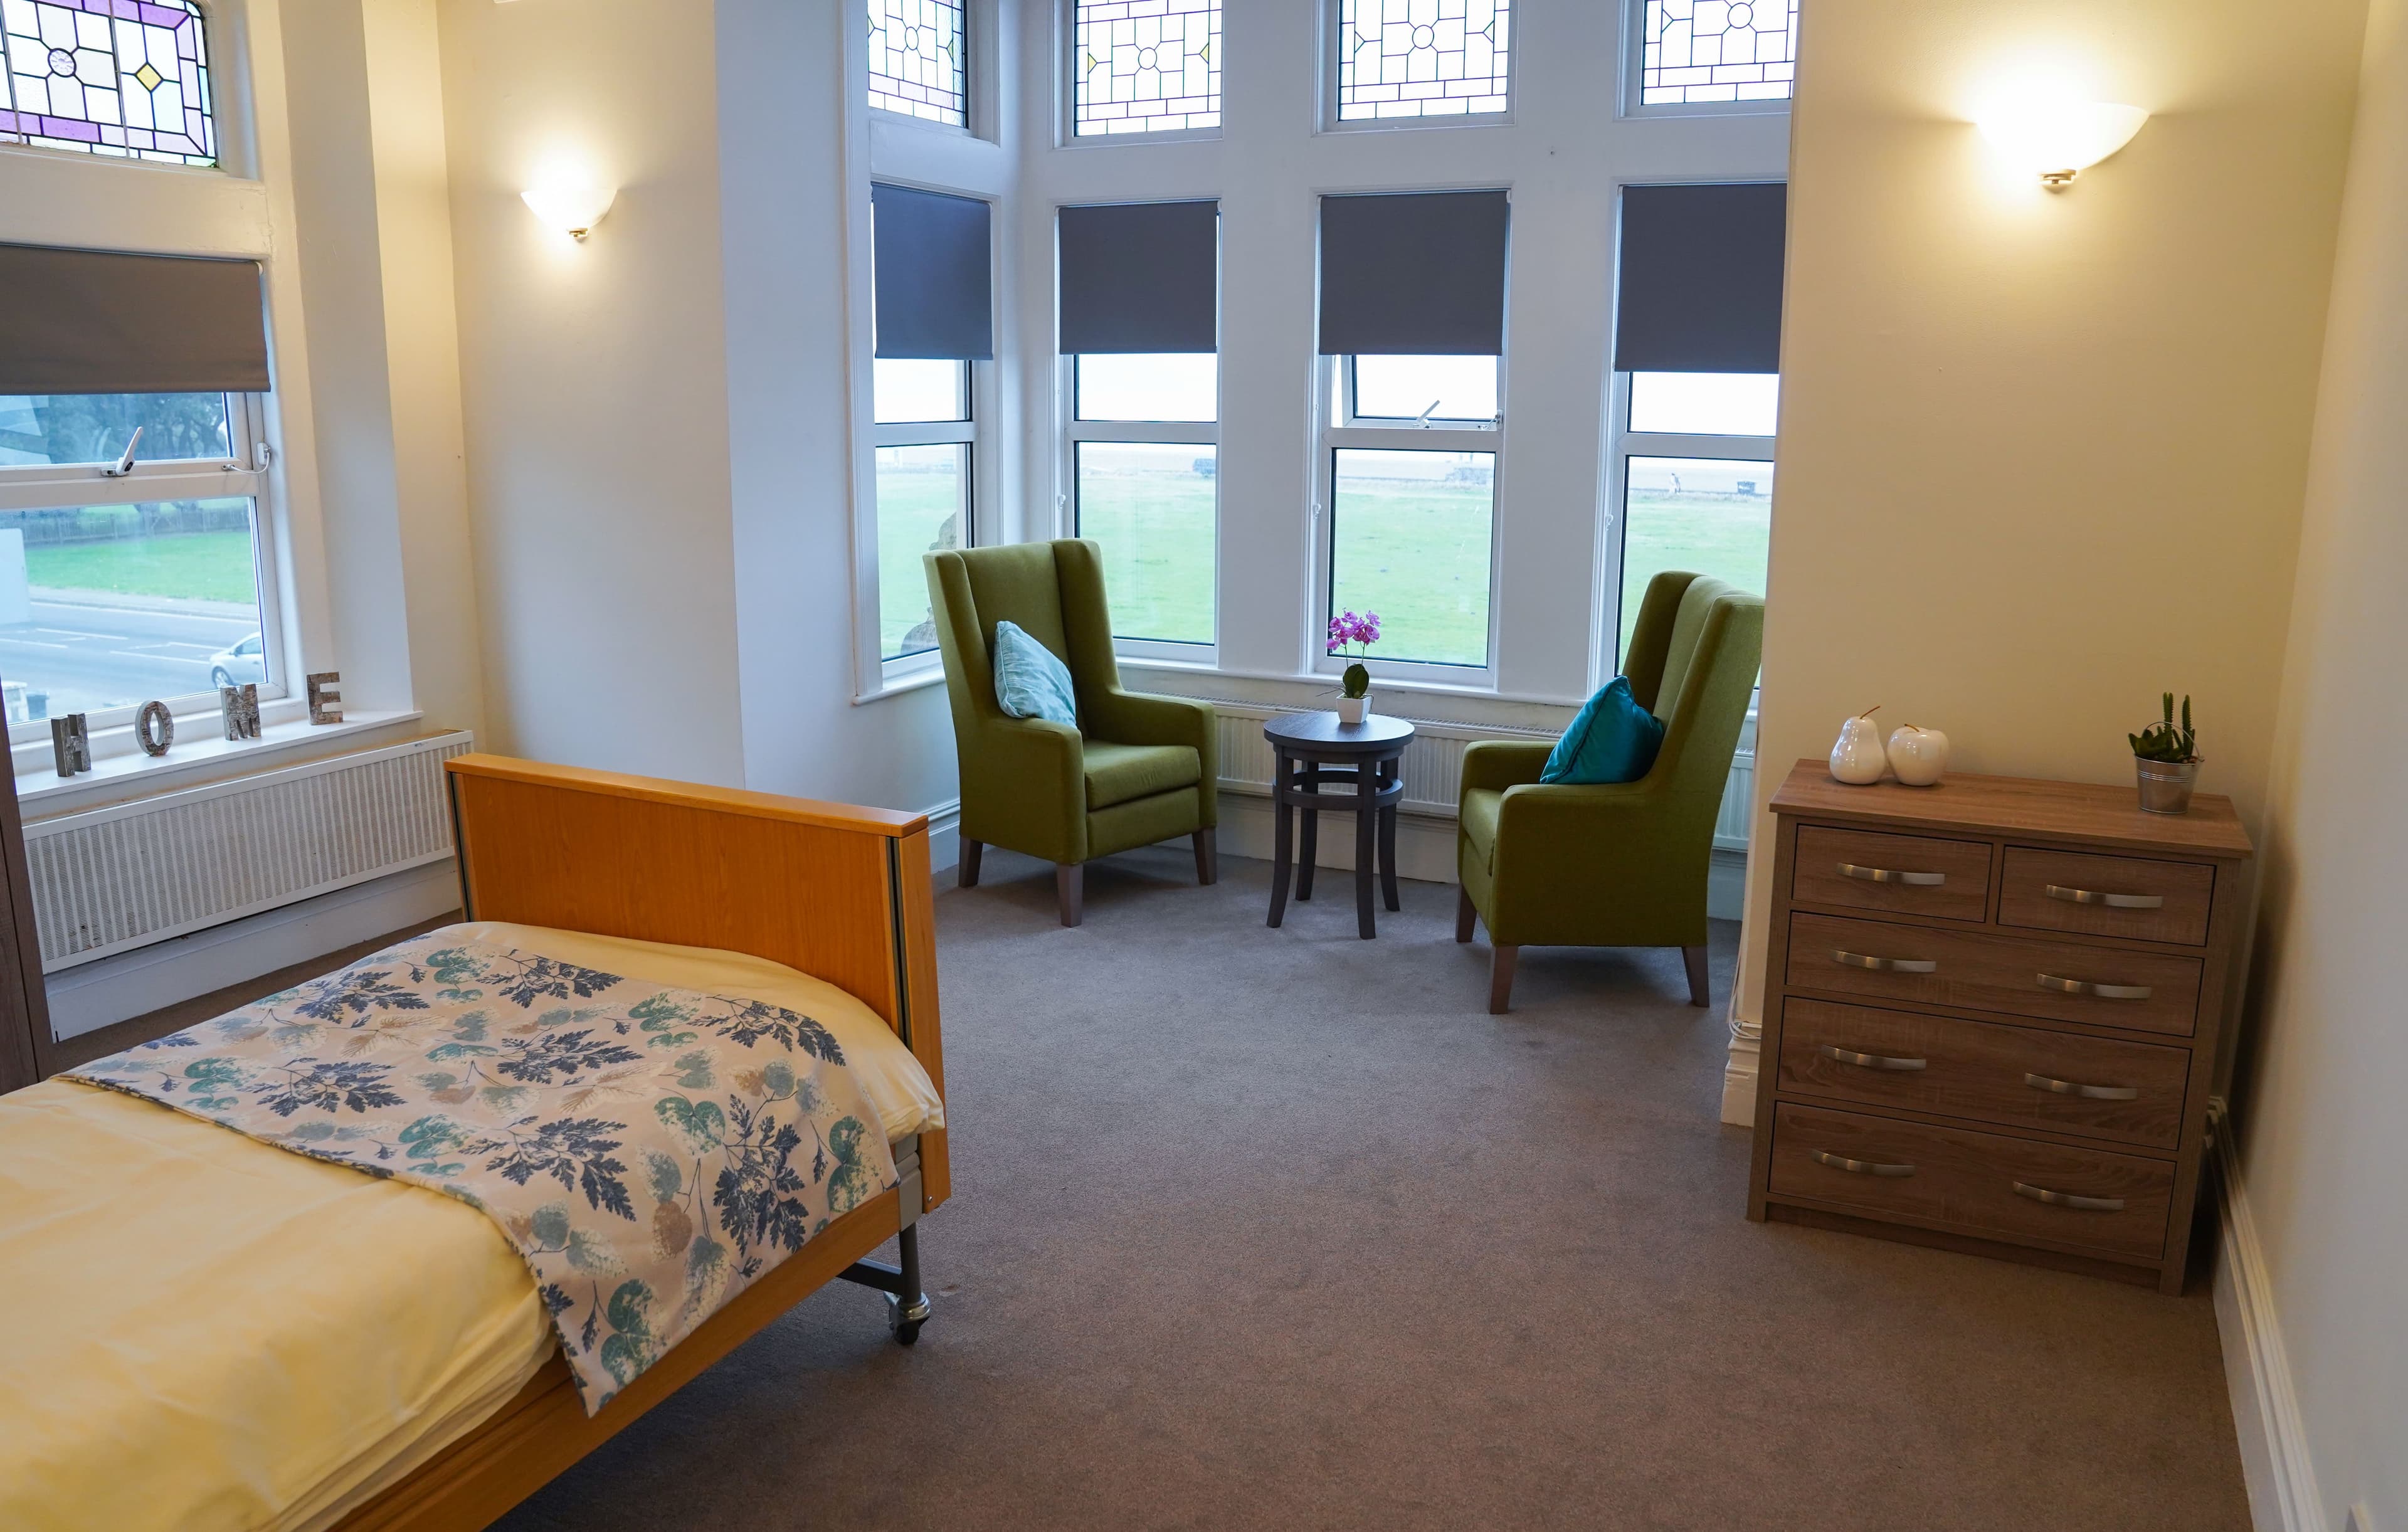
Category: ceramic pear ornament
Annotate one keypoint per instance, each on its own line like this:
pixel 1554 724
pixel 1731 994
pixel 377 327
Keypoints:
pixel 1856 758
pixel 1917 756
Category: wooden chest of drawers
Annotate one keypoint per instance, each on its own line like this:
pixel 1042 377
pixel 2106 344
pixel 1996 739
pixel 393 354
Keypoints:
pixel 1991 1015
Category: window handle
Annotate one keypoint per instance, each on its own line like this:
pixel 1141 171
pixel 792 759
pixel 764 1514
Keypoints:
pixel 1422 420
pixel 124 465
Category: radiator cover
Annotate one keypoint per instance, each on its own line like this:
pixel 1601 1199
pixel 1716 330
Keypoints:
pixel 112 879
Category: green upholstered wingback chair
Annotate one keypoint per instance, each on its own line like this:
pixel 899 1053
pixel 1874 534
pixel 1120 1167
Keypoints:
pixel 1137 770
pixel 1620 864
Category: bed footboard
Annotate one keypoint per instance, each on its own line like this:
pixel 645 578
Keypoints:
pixel 840 892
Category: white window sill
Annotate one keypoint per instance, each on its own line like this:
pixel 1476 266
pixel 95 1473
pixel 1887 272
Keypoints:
pixel 1329 682
pixel 195 758
pixel 913 681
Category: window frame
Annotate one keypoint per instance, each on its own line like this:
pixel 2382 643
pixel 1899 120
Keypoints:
pixel 1332 57
pixel 979 118
pixel 1141 434
pixel 1632 103
pixel 229 119
pixel 964 433
pixel 1066 116
pixel 1339 429
pixel 1622 444
pixel 244 473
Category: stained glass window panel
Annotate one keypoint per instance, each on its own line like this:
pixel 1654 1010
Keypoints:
pixel 1421 58
pixel 1146 66
pixel 128 78
pixel 919 62
pixel 1706 51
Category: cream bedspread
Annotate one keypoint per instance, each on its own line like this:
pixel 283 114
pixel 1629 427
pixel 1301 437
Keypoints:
pixel 207 1332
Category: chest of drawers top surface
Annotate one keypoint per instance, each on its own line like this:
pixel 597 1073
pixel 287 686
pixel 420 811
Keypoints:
pixel 2020 808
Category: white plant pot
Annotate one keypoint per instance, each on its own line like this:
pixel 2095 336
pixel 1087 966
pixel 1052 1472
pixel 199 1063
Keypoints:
pixel 1351 710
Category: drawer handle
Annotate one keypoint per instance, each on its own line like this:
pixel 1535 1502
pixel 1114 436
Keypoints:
pixel 1885 964
pixel 2068 1199
pixel 1871 1061
pixel 2104 992
pixel 1885 875
pixel 2112 901
pixel 1864 1167
pixel 2088 1093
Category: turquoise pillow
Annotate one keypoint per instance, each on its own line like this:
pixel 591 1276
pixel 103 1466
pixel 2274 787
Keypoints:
pixel 1613 741
pixel 1029 681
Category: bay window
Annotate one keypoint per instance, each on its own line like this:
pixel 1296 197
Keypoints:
pixel 932 307
pixel 1405 493
pixel 1139 337
pixel 1695 390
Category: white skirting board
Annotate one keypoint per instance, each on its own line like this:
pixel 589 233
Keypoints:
pixel 115 989
pixel 1739 1069
pixel 2283 1493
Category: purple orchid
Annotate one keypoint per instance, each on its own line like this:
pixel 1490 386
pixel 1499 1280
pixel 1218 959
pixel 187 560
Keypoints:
pixel 1362 633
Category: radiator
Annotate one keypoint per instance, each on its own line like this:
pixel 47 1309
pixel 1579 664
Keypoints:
pixel 111 879
pixel 1432 768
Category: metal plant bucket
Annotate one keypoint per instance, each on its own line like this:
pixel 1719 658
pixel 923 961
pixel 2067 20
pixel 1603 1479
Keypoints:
pixel 2166 785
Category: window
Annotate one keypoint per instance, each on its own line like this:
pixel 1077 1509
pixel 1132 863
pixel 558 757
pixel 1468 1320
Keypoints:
pixel 1145 480
pixel 1696 478
pixel 932 320
pixel 129 81
pixel 116 590
pixel 919 62
pixel 1698 52
pixel 1410 481
pixel 1145 66
pixel 924 435
pixel 1421 58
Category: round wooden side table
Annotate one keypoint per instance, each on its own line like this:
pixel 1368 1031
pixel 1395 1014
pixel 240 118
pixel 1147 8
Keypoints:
pixel 1308 750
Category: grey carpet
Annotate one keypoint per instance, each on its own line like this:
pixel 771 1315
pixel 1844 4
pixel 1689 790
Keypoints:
pixel 1280 1228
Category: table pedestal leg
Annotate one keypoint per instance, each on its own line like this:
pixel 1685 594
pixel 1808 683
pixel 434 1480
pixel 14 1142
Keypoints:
pixel 1283 816
pixel 1310 853
pixel 1366 829
pixel 1388 840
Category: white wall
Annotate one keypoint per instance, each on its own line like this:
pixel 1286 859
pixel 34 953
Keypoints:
pixel 595 379
pixel 2317 1104
pixel 2041 453
pixel 659 445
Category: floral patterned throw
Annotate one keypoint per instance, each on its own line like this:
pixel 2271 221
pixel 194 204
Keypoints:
pixel 650 1152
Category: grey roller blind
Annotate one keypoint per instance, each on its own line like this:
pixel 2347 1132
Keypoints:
pixel 1701 278
pixel 1140 276
pixel 1419 274
pixel 933 275
pixel 90 321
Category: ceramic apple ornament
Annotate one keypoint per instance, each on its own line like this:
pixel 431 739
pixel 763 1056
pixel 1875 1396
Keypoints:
pixel 1918 755
pixel 1856 758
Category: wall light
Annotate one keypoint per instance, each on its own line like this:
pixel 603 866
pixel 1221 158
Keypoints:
pixel 2057 139
pixel 572 208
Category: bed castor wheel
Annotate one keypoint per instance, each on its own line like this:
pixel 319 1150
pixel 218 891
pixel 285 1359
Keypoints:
pixel 907 1318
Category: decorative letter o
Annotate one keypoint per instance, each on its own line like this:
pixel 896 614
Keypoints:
pixel 154 729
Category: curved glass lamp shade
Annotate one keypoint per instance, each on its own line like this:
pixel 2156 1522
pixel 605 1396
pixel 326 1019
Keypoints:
pixel 2057 139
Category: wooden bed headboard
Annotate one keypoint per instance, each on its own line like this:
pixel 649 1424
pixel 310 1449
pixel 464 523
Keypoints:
pixel 841 892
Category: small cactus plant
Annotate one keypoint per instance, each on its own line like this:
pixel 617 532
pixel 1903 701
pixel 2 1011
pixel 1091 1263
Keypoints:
pixel 2164 742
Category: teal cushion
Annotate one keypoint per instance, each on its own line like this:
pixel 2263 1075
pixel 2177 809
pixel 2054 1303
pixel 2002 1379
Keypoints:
pixel 1029 681
pixel 1613 741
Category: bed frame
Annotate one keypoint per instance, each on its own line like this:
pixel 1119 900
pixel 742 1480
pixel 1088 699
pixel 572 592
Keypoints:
pixel 837 891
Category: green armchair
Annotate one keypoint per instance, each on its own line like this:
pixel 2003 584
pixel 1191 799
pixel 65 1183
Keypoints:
pixel 1621 865
pixel 1137 770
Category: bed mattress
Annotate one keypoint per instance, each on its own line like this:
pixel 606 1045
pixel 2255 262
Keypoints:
pixel 208 1331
